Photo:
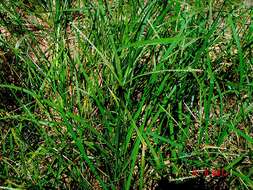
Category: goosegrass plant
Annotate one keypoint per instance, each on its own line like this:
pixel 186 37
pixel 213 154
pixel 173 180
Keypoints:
pixel 120 94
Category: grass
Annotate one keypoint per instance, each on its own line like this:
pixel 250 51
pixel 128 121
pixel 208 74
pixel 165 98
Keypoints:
pixel 124 95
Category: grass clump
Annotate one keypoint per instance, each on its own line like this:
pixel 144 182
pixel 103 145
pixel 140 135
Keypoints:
pixel 122 95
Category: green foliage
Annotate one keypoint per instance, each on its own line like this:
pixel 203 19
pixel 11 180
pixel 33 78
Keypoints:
pixel 119 94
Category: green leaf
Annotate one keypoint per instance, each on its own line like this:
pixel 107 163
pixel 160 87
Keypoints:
pixel 160 41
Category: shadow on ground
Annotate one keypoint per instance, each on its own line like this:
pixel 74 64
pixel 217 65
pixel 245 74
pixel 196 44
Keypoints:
pixel 195 183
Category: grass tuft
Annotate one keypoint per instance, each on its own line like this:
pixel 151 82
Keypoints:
pixel 125 94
